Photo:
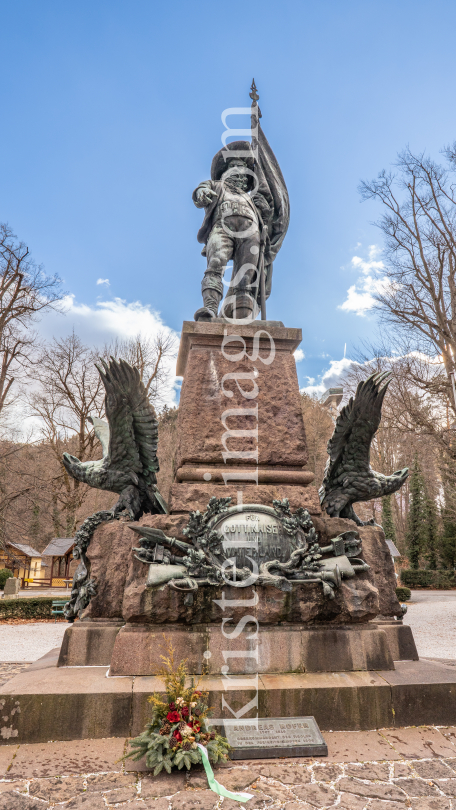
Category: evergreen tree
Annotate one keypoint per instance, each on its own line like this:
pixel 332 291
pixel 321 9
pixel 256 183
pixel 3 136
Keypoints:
pixel 448 541
pixel 387 518
pixel 430 532
pixel 416 516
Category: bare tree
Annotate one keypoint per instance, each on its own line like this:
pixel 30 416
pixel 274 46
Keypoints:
pixel 25 292
pixel 418 295
pixel 319 428
pixel 413 422
pixel 68 391
pixel 153 357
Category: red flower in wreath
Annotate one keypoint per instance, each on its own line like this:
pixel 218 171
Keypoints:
pixel 184 711
pixel 177 736
pixel 173 717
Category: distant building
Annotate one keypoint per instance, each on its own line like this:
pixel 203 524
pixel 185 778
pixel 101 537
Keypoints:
pixel 331 399
pixel 24 561
pixel 59 556
pixel 54 567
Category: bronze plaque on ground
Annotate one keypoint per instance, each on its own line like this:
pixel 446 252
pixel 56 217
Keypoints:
pixel 275 737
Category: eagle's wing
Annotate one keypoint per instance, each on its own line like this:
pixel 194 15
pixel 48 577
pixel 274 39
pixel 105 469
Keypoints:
pixel 356 425
pixel 132 421
pixel 101 430
pixel 123 454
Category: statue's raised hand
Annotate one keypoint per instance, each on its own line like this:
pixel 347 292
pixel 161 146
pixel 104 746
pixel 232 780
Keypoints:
pixel 204 196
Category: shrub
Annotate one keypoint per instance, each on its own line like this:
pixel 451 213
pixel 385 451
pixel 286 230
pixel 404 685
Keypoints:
pixel 403 594
pixel 425 578
pixel 34 608
pixel 5 574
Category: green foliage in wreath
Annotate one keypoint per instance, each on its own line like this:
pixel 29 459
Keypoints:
pixel 179 722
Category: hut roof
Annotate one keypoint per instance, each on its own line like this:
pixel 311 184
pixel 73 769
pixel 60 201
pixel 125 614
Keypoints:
pixel 24 548
pixel 58 547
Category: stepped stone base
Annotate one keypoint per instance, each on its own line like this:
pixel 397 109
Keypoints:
pixel 278 649
pixel 45 702
pixel 400 640
pixel 89 644
pixel 135 651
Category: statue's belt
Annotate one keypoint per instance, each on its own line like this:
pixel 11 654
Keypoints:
pixel 229 209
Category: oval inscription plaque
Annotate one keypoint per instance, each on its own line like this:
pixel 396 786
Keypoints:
pixel 256 532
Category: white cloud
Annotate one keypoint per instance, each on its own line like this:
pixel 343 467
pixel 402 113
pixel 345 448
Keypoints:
pixel 371 265
pixel 103 281
pixel 330 378
pixel 104 321
pixel 115 317
pixel 358 302
pixel 361 295
pixel 299 355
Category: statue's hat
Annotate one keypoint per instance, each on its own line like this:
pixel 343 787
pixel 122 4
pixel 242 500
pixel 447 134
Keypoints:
pixel 242 151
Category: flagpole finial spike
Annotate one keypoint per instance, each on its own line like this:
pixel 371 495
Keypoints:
pixel 254 96
pixel 253 92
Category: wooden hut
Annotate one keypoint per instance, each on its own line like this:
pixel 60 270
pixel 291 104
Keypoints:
pixel 59 554
pixel 24 561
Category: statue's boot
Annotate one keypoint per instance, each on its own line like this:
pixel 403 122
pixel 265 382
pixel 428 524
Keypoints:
pixel 243 308
pixel 211 301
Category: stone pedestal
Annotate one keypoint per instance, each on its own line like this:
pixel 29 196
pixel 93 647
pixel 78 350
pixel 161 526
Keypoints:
pixel 122 593
pixel 241 434
pixel 400 639
pixel 240 425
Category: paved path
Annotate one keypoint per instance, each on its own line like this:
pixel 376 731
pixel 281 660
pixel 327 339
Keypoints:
pixel 391 769
pixel 432 617
pixel 28 642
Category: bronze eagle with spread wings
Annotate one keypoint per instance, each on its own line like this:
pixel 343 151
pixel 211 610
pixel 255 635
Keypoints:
pixel 129 442
pixel 348 475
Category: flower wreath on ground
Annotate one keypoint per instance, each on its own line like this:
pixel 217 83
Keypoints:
pixel 178 724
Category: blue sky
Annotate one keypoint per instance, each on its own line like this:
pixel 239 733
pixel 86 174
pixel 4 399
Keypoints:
pixel 111 113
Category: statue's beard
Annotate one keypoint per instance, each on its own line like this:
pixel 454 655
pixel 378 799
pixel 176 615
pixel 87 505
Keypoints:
pixel 236 185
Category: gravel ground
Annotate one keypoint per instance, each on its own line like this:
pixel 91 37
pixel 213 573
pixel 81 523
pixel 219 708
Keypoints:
pixel 432 617
pixel 28 642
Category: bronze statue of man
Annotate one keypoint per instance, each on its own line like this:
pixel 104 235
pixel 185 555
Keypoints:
pixel 246 219
pixel 232 228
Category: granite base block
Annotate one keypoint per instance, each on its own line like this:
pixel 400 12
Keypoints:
pixel 45 702
pixel 276 649
pixel 89 643
pixel 400 640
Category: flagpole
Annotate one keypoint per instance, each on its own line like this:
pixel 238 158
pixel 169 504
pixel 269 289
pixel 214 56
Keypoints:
pixel 255 122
